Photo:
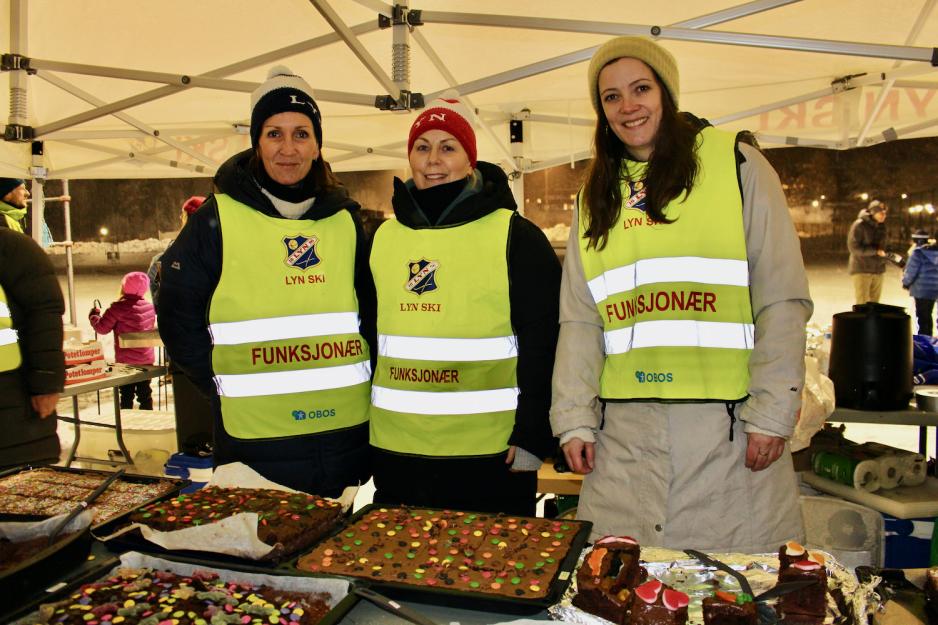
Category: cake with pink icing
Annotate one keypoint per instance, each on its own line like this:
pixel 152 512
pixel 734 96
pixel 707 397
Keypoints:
pixel 607 576
pixel 655 603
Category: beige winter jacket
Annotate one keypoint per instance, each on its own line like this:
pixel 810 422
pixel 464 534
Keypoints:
pixel 667 474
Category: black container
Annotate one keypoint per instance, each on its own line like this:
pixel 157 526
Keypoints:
pixel 871 358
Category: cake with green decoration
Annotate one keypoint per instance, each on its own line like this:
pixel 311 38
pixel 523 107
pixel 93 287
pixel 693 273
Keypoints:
pixel 293 520
pixel 145 596
pixel 496 554
pixel 729 608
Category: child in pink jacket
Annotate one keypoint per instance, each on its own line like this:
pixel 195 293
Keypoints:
pixel 130 313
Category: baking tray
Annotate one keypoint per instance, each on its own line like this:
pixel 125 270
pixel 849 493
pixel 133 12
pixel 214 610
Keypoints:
pixel 180 566
pixel 44 566
pixel 471 600
pixel 133 540
pixel 178 485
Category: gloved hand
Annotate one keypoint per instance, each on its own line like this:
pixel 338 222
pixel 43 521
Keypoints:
pixel 94 312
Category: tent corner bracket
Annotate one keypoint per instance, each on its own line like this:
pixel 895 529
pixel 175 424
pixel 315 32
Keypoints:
pixel 407 102
pixel 10 62
pixel 19 133
pixel 400 16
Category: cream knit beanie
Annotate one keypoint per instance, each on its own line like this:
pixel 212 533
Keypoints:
pixel 646 50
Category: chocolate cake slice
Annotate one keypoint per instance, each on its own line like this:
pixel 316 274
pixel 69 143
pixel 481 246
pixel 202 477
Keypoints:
pixel 608 574
pixel 810 601
pixel 725 608
pixel 654 603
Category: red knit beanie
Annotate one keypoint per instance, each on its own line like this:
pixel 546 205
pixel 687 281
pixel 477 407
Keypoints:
pixel 447 114
pixel 192 204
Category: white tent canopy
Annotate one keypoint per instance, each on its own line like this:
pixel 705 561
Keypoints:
pixel 133 89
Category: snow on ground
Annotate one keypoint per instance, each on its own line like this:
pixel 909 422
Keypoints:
pixel 101 248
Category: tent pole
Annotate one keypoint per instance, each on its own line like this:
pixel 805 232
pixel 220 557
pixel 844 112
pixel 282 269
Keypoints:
pixel 451 80
pixel 19 39
pixel 234 68
pixel 928 7
pixel 346 34
pixel 69 261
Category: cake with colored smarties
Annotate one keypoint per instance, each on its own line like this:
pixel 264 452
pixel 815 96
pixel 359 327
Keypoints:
pixel 48 492
pixel 497 554
pixel 144 596
pixel 293 520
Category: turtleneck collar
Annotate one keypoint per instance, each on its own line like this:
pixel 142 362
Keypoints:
pixel 433 201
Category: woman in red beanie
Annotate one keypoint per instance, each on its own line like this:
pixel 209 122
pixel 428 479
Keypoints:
pixel 467 324
pixel 130 313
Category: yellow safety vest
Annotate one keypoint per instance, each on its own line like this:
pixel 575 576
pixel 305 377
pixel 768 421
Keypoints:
pixel 10 357
pixel 287 354
pixel 445 381
pixel 674 298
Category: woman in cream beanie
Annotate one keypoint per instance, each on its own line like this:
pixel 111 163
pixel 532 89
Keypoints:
pixel 681 353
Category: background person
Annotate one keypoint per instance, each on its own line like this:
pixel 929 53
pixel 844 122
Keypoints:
pixel 32 365
pixel 130 313
pixel 467 322
pixel 683 306
pixel 154 272
pixel 866 242
pixel 920 278
pixel 267 305
pixel 14 194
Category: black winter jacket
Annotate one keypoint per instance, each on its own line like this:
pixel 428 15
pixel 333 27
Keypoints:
pixel 533 291
pixel 36 306
pixel 191 269
pixel 865 238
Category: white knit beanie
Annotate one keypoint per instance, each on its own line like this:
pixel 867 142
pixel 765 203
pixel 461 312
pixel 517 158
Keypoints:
pixel 283 91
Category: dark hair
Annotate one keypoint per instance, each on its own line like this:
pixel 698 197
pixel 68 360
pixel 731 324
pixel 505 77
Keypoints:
pixel 671 170
pixel 320 172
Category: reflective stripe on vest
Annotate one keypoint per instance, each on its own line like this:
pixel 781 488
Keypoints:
pixel 674 298
pixel 445 383
pixel 10 357
pixel 462 350
pixel 287 354
pixel 283 382
pixel 256 330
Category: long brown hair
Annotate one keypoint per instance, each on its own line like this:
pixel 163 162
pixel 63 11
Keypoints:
pixel 671 170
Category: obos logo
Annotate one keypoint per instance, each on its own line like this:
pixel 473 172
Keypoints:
pixel 651 376
pixel 637 194
pixel 300 415
pixel 422 276
pixel 301 251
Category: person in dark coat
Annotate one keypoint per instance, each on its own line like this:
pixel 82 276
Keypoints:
pixel 130 313
pixel 476 318
pixel 866 242
pixel 920 278
pixel 32 366
pixel 282 185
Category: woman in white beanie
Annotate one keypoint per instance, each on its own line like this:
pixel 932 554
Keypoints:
pixel 266 303
pixel 680 360
pixel 467 322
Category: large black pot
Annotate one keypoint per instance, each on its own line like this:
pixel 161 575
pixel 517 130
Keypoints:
pixel 871 357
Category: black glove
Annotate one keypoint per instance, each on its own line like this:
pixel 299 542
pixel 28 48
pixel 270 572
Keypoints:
pixel 95 311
